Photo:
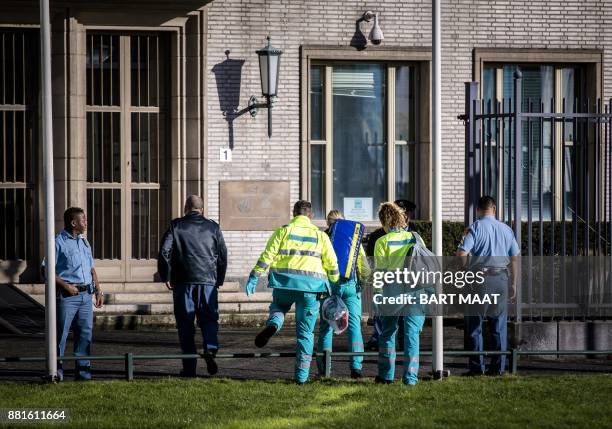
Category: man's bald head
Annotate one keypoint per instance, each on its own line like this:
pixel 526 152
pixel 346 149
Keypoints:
pixel 194 203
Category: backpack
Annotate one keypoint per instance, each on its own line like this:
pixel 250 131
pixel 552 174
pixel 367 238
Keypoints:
pixel 420 258
pixel 346 238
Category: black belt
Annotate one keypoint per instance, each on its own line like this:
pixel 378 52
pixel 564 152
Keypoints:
pixel 491 271
pixel 82 288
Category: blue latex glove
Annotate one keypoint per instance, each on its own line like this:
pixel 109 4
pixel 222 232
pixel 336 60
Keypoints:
pixel 251 284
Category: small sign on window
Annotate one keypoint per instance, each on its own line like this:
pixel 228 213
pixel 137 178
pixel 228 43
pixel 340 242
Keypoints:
pixel 358 209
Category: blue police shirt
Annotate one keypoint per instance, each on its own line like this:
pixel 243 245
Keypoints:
pixel 73 259
pixel 490 237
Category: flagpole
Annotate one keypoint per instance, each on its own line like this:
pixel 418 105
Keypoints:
pixel 47 143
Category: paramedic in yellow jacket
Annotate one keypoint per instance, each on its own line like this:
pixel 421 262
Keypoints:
pixel 301 264
pixel 390 252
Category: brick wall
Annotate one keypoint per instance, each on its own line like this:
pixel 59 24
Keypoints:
pixel 242 25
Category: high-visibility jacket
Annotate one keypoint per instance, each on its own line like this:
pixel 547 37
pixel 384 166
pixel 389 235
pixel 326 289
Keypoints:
pixel 391 249
pixel 299 257
pixel 363 267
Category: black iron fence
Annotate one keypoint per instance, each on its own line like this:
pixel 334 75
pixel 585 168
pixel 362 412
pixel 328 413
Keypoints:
pixel 547 162
pixel 129 359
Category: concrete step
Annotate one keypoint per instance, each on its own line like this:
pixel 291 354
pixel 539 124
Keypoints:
pixel 149 298
pixel 230 287
pixel 264 296
pixel 166 298
pixel 39 289
pixel 149 305
pixel 134 321
pixel 168 308
pixel 39 298
pixel 136 309
pixel 164 321
pixel 234 307
pixel 138 298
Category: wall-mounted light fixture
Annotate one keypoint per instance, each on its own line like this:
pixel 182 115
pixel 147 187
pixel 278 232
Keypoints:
pixel 269 67
pixel 376 35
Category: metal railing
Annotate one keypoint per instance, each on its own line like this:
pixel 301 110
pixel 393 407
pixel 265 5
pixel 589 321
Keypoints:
pixel 548 163
pixel 130 359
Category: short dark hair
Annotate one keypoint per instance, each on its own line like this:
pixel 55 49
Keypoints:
pixel 302 207
pixel 486 202
pixel 70 215
pixel 194 202
pixel 408 206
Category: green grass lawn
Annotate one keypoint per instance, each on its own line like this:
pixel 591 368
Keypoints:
pixel 538 401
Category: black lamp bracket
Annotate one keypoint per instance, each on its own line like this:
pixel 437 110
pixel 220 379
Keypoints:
pixel 254 105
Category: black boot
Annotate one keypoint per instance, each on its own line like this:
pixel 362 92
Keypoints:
pixel 379 380
pixel 372 345
pixel 356 373
pixel 211 365
pixel 187 374
pixel 264 336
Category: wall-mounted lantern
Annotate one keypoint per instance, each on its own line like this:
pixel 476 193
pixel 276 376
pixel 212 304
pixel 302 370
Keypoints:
pixel 269 67
pixel 376 35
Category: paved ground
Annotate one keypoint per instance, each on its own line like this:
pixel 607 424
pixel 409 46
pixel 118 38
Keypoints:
pixel 241 340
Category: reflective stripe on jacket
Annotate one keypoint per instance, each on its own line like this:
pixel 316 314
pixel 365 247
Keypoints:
pixel 391 249
pixel 299 257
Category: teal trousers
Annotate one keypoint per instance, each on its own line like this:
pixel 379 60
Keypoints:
pixel 413 325
pixel 414 319
pixel 306 312
pixel 347 290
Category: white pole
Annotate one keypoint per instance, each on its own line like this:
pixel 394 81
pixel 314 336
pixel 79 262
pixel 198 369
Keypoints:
pixel 47 135
pixel 436 82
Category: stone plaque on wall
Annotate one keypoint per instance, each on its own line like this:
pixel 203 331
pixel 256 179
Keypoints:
pixel 253 205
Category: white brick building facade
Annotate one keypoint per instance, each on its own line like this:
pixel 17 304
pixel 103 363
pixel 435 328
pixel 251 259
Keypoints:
pixel 199 35
pixel 241 27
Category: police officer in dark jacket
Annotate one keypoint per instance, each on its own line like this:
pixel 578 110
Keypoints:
pixel 192 261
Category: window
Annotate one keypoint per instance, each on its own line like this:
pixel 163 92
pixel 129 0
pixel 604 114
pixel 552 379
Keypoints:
pixel 363 124
pixel 545 88
pixel 18 143
pixel 127 156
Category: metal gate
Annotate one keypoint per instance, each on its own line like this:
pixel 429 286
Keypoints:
pixel 550 173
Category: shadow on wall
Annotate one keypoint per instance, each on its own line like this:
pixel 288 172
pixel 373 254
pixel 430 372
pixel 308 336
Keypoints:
pixel 359 40
pixel 20 271
pixel 228 75
pixel 19 313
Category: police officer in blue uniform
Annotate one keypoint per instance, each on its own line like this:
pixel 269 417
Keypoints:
pixel 493 250
pixel 76 280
